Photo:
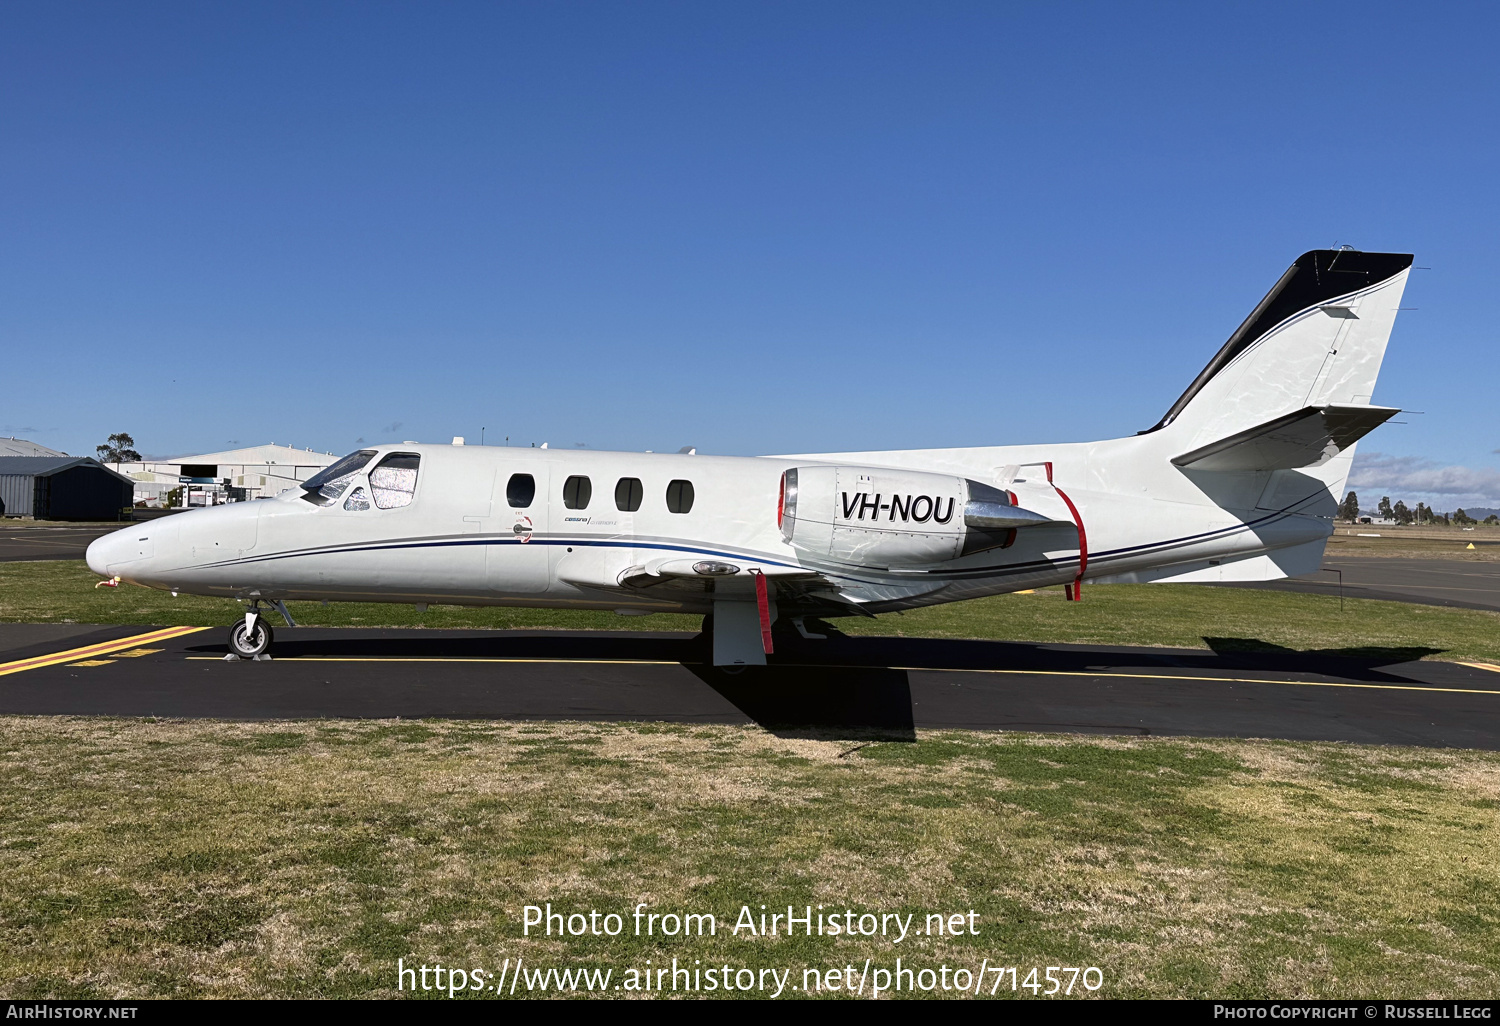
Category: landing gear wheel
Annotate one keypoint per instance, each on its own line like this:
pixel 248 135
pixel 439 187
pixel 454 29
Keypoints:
pixel 248 645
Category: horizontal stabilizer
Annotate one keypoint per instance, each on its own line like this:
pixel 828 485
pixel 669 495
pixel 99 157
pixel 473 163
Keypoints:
pixel 1308 438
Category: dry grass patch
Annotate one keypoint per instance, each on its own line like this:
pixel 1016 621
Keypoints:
pixel 142 858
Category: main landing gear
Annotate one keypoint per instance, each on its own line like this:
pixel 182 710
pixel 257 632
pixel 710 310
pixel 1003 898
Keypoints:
pixel 734 640
pixel 251 637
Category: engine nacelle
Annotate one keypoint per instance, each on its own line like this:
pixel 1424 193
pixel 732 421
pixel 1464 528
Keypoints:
pixel 879 517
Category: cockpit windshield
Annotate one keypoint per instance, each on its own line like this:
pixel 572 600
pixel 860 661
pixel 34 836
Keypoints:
pixel 329 483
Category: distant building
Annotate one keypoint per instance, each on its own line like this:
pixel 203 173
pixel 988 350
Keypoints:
pixel 211 479
pixel 20 447
pixel 62 488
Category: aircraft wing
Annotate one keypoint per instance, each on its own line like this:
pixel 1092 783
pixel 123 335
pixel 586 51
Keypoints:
pixel 722 578
pixel 790 586
pixel 1306 438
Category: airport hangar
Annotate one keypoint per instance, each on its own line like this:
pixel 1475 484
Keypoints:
pixel 234 475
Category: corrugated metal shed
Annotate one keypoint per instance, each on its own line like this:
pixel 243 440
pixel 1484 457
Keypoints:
pixel 16 491
pixel 61 488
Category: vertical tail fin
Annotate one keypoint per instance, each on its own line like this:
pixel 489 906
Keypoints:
pixel 1318 337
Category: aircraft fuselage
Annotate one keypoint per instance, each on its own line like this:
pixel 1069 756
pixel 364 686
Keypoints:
pixel 461 540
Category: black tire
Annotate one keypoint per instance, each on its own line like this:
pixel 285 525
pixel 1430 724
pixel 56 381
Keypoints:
pixel 248 646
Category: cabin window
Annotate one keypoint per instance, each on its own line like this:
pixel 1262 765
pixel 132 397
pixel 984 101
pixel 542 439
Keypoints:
pixel 520 491
pixel 394 480
pixel 680 496
pixel 324 487
pixel 577 491
pixel 357 500
pixel 628 494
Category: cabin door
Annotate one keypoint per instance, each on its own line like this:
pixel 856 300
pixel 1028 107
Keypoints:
pixel 517 558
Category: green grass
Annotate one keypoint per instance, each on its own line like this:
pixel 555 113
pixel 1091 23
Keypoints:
pixel 1185 616
pixel 1196 616
pixel 1426 544
pixel 63 591
pixel 142 859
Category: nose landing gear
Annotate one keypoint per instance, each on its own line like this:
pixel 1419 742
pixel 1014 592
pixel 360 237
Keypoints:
pixel 251 637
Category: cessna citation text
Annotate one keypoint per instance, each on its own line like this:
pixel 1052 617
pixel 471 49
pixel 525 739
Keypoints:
pixel 1238 482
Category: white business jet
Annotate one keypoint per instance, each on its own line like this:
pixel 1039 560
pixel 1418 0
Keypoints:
pixel 1238 482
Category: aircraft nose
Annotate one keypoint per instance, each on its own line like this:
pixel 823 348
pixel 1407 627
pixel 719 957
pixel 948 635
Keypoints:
pixel 106 551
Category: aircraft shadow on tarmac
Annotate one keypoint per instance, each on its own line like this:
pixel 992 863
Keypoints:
pixel 1346 660
pixel 845 703
pixel 843 687
pixel 794 655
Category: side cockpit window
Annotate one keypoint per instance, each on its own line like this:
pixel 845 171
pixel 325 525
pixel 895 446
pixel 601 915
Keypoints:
pixel 328 484
pixel 357 500
pixel 393 482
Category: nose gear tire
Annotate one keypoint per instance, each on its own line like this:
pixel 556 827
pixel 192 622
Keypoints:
pixel 249 645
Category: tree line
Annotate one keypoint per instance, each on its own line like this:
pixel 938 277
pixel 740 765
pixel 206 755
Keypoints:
pixel 1401 514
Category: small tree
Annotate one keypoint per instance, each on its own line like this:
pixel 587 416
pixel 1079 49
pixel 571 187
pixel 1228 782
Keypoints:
pixel 172 499
pixel 1385 508
pixel 1424 514
pixel 1463 519
pixel 1402 514
pixel 1349 508
pixel 1492 519
pixel 118 448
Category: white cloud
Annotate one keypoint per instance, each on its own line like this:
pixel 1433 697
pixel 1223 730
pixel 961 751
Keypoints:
pixel 1415 479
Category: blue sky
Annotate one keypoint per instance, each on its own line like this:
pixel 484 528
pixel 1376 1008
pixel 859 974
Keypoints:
pixel 750 228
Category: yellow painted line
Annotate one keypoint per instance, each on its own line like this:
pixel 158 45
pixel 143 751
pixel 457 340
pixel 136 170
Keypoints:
pixel 1482 666
pixel 103 648
pixel 1216 680
pixel 840 666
